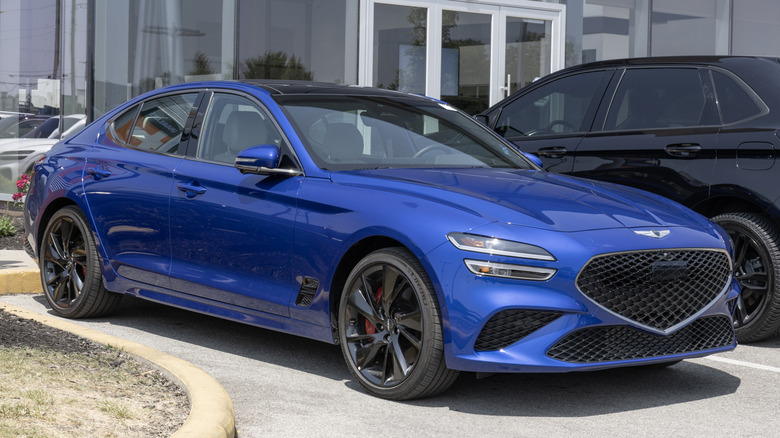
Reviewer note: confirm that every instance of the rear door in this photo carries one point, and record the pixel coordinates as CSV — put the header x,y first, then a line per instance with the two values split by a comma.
x,y
551,119
659,133
127,184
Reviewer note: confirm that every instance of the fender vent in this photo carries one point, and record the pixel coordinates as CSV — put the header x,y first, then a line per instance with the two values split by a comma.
x,y
306,294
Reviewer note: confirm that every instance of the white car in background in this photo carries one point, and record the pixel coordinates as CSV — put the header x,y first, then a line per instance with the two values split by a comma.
x,y
17,155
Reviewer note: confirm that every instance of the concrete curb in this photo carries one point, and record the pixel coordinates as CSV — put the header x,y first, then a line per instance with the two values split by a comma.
x,y
20,281
211,408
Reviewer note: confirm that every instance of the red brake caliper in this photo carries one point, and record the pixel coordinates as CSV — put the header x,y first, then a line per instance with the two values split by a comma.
x,y
370,329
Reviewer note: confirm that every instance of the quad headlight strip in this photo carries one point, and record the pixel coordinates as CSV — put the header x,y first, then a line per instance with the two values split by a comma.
x,y
508,248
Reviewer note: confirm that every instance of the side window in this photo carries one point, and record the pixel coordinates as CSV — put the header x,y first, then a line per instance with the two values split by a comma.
x,y
733,100
555,108
234,123
122,125
658,98
159,124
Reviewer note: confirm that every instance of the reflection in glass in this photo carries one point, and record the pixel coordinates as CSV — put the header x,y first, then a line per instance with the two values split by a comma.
x,y
756,28
465,60
614,29
299,40
399,48
674,22
30,74
141,45
528,51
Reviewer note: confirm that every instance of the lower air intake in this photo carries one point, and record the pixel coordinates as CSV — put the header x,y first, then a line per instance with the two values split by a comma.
x,y
509,326
615,343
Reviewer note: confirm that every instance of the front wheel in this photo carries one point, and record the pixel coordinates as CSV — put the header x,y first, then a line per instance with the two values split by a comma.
x,y
390,328
70,268
756,266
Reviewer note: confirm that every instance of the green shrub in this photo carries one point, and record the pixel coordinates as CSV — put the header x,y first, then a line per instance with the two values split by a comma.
x,y
7,227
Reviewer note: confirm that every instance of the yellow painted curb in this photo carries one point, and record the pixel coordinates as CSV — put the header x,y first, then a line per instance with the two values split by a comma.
x,y
211,408
20,281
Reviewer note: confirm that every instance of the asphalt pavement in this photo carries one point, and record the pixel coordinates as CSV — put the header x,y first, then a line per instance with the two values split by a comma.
x,y
283,385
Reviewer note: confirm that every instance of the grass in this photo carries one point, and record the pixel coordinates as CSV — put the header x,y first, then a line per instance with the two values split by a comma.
x,y
50,394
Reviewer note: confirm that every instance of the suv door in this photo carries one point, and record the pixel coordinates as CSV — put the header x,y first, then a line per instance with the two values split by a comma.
x,y
659,133
551,119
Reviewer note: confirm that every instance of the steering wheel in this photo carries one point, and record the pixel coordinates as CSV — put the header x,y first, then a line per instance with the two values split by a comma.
x,y
431,147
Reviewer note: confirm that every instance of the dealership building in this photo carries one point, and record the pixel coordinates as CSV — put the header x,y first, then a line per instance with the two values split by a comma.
x,y
87,56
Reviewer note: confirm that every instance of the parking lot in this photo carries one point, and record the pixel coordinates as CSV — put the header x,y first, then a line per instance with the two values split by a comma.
x,y
283,385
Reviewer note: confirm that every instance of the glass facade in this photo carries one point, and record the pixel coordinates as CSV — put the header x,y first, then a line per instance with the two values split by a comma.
x,y
77,59
609,29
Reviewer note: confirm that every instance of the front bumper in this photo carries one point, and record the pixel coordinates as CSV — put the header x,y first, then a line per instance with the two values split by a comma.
x,y
503,325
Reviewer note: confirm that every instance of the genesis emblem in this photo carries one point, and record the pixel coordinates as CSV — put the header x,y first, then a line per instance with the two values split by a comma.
x,y
654,233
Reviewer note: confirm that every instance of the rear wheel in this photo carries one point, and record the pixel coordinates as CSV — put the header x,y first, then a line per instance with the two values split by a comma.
x,y
756,265
70,268
390,328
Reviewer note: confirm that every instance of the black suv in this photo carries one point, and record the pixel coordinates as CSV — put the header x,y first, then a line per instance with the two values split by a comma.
x,y
702,131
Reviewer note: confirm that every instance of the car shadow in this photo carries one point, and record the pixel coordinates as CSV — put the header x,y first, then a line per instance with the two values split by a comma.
x,y
577,394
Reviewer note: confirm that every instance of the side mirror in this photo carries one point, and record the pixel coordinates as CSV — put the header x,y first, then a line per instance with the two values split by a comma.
x,y
262,160
481,118
534,159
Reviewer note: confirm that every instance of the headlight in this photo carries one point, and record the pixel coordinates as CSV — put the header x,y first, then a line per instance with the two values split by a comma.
x,y
504,270
493,246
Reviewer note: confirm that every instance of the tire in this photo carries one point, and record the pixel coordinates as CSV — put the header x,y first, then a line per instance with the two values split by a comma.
x,y
393,343
756,267
70,268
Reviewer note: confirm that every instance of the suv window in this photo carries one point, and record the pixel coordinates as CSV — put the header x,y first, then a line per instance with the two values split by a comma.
x,y
734,102
159,124
555,108
658,98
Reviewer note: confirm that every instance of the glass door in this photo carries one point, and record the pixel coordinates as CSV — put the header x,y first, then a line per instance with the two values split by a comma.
x,y
468,54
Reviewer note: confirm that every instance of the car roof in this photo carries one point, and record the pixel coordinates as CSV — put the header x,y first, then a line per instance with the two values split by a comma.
x,y
283,87
671,60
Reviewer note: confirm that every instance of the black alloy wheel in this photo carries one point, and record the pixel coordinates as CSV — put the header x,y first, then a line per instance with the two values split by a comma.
x,y
756,266
390,328
70,268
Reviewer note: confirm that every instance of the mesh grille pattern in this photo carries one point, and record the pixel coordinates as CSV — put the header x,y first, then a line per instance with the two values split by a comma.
x,y
655,288
509,326
613,343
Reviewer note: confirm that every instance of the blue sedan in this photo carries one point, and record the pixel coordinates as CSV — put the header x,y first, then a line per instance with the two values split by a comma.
x,y
392,225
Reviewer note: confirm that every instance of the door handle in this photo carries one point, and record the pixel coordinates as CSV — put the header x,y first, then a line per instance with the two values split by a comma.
x,y
98,172
683,150
552,152
192,189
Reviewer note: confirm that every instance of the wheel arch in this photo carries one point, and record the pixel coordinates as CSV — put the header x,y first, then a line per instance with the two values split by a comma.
x,y
353,255
53,207
744,203
357,252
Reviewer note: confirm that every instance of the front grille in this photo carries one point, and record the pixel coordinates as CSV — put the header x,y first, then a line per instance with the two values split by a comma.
x,y
509,326
659,288
614,343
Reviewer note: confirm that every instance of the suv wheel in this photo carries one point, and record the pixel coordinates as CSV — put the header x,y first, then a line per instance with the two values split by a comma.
x,y
756,265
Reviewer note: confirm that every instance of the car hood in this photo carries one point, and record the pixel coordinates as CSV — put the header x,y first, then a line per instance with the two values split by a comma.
x,y
532,198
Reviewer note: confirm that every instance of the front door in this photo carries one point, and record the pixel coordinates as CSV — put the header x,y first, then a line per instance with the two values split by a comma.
x,y
231,234
469,55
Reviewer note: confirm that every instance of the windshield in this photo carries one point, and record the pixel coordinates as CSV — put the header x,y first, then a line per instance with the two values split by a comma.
x,y
367,132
